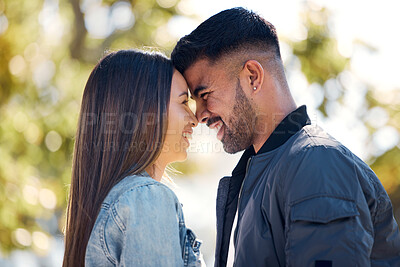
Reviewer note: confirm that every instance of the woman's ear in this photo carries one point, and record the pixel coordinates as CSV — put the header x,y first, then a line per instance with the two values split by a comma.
x,y
252,75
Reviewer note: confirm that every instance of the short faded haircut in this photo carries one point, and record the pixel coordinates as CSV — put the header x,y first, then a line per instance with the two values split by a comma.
x,y
229,31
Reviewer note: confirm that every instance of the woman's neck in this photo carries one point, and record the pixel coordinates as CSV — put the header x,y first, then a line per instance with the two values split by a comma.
x,y
156,171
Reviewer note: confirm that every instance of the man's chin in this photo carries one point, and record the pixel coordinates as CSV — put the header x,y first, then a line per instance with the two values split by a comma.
x,y
231,147
232,151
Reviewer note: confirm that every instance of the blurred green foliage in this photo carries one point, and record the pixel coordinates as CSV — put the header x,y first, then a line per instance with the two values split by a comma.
x,y
47,50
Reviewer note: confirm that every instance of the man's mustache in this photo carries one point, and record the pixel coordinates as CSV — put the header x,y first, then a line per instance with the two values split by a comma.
x,y
213,120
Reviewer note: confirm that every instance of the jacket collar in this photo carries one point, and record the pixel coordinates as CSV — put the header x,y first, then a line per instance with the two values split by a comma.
x,y
290,125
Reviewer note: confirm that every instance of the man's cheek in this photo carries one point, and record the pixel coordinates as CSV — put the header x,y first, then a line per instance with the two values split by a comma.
x,y
211,106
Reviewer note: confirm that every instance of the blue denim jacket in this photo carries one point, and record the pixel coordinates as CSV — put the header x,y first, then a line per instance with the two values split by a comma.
x,y
141,224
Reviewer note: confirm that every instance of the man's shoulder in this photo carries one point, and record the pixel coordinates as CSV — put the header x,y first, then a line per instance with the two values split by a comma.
x,y
317,164
313,136
312,145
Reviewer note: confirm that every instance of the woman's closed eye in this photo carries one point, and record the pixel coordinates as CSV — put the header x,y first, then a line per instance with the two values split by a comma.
x,y
185,102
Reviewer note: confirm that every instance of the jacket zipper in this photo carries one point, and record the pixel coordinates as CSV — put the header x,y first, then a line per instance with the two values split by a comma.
x,y
240,192
241,187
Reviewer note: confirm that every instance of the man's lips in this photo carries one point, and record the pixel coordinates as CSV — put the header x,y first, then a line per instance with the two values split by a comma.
x,y
213,120
216,125
221,131
220,127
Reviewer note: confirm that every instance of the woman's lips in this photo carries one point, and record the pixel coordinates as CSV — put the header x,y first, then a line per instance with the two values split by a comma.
x,y
187,136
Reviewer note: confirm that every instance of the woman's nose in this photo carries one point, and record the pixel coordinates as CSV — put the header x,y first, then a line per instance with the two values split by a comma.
x,y
193,120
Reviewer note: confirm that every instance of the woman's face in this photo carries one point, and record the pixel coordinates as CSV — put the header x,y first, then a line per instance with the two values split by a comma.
x,y
180,121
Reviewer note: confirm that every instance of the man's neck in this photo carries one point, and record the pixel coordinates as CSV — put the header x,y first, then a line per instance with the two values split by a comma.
x,y
267,125
288,126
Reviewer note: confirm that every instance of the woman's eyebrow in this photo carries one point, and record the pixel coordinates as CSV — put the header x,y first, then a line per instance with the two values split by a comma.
x,y
183,93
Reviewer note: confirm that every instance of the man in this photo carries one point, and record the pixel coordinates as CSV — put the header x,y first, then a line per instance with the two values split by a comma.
x,y
301,198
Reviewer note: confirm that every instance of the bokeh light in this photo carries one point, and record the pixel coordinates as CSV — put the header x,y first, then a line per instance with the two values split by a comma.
x,y
43,73
31,194
97,22
20,121
33,133
3,24
17,65
41,241
23,237
47,198
167,3
53,141
385,139
121,16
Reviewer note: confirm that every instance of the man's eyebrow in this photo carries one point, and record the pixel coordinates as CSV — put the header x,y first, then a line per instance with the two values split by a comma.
x,y
198,89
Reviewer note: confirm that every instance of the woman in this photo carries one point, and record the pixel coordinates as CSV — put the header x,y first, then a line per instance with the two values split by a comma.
x,y
134,120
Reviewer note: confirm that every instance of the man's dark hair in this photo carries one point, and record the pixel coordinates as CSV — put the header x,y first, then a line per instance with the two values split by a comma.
x,y
223,33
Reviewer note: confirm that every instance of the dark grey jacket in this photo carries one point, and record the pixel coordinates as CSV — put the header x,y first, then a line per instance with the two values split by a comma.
x,y
309,202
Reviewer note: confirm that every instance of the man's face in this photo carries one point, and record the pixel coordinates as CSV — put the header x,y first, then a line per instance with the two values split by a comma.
x,y
221,104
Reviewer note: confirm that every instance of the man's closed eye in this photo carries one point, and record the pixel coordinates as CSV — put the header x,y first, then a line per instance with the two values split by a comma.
x,y
204,95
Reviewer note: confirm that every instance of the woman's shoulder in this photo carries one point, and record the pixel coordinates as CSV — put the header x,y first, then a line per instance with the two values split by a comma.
x,y
136,189
135,208
136,199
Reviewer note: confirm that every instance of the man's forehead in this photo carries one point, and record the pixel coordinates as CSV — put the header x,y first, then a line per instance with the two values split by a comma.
x,y
200,73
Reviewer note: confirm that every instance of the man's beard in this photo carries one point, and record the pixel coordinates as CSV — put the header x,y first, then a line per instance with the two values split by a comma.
x,y
240,133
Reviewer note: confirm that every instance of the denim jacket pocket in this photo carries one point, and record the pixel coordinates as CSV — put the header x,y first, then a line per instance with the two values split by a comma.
x,y
192,256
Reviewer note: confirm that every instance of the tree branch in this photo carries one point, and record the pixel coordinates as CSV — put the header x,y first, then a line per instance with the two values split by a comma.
x,y
76,46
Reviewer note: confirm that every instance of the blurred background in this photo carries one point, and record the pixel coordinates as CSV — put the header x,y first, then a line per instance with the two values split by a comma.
x,y
342,61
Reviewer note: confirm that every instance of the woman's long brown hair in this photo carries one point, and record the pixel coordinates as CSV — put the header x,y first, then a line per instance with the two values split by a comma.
x,y
121,130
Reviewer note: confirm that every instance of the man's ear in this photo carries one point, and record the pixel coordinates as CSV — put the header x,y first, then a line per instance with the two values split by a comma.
x,y
252,75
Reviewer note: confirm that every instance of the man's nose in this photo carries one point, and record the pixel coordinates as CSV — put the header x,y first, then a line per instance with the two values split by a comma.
x,y
202,114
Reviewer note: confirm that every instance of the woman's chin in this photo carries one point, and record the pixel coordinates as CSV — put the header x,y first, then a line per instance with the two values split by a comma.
x,y
182,156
